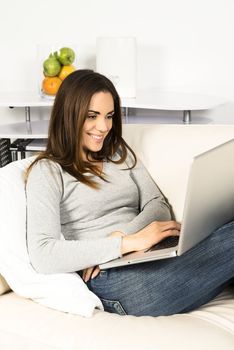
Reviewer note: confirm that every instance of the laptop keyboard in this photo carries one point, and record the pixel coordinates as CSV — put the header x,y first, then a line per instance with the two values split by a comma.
x,y
168,242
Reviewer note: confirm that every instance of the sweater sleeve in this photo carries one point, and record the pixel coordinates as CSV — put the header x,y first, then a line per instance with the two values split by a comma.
x,y
49,252
152,204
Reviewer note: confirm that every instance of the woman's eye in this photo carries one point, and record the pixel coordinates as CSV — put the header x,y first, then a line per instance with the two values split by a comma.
x,y
93,116
110,116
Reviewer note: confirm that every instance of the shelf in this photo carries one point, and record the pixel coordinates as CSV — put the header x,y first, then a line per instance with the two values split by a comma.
x,y
36,130
23,99
153,99
36,145
171,100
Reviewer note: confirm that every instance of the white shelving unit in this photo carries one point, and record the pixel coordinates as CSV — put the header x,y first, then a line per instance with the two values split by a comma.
x,y
153,99
173,101
37,131
30,129
25,100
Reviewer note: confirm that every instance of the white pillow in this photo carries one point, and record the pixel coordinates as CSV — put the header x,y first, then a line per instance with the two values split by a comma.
x,y
66,291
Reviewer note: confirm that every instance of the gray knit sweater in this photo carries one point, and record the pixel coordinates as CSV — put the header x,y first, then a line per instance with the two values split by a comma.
x,y
68,223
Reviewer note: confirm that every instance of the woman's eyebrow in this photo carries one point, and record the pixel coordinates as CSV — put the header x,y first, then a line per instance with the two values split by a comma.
x,y
96,112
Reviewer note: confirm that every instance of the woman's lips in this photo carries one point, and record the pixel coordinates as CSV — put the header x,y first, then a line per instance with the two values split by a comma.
x,y
97,137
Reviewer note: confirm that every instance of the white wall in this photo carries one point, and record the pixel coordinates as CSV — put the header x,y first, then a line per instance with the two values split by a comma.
x,y
183,45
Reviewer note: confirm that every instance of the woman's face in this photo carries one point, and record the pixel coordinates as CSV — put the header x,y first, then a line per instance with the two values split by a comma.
x,y
98,123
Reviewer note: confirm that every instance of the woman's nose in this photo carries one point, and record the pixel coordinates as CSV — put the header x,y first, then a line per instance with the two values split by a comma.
x,y
102,124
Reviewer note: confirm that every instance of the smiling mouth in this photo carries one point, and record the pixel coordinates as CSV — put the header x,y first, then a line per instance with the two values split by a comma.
x,y
97,137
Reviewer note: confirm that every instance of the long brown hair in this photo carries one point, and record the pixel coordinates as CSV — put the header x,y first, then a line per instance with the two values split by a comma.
x,y
68,115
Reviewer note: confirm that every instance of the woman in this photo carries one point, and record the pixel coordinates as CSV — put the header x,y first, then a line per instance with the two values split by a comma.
x,y
89,188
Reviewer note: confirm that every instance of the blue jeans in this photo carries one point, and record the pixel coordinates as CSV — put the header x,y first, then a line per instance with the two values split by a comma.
x,y
170,286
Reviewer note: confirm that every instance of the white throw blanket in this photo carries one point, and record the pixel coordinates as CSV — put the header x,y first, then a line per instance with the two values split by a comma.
x,y
64,291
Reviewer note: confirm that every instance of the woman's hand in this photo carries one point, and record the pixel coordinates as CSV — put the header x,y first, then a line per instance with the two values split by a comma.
x,y
90,272
143,239
149,236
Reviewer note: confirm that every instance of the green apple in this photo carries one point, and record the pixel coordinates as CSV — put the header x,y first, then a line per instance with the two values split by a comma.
x,y
51,66
66,56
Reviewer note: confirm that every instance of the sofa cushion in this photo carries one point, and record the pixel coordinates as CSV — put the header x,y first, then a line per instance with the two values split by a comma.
x,y
4,287
27,325
65,292
166,150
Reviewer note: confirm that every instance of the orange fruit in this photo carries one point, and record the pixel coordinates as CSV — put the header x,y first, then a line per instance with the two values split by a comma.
x,y
50,85
65,71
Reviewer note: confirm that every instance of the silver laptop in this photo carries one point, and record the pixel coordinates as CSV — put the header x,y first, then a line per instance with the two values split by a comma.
x,y
209,204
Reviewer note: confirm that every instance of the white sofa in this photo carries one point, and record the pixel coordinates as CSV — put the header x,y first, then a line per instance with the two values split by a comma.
x,y
167,151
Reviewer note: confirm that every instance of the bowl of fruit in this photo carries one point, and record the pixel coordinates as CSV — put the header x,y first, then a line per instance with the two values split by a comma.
x,y
55,64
